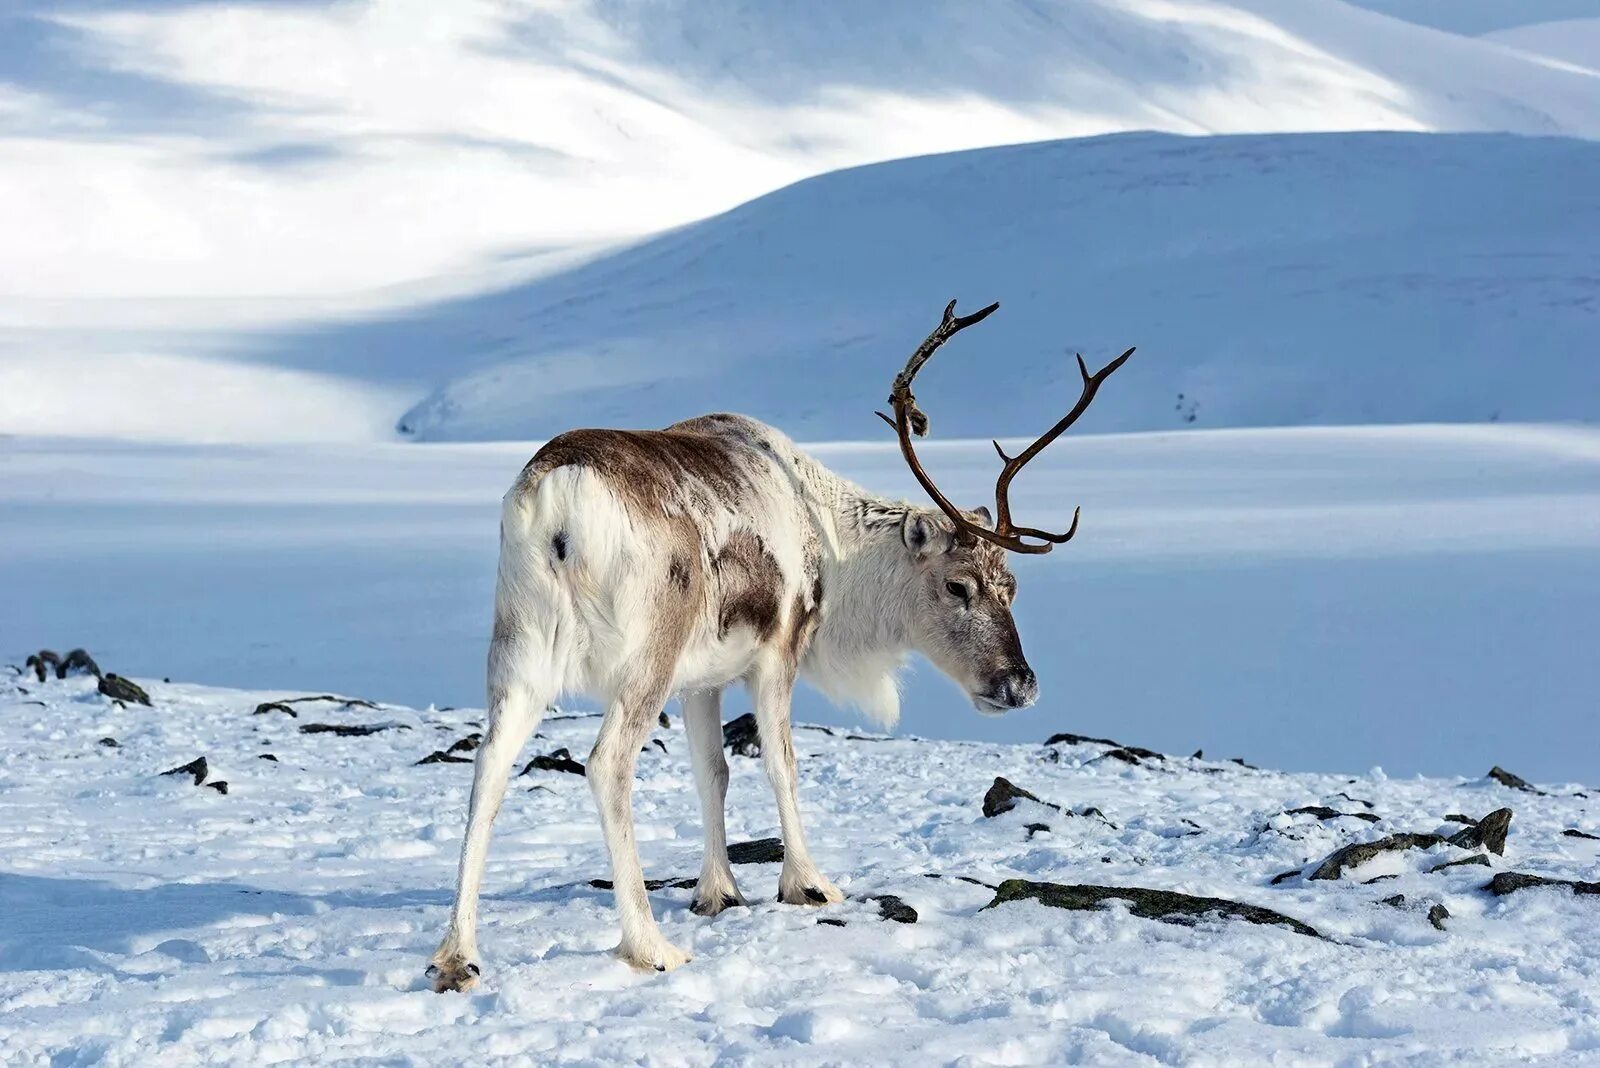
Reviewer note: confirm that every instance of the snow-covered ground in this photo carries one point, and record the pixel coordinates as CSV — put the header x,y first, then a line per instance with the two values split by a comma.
x,y
1421,598
146,919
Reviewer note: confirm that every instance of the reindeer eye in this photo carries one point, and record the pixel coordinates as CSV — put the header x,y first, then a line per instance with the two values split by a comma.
x,y
959,589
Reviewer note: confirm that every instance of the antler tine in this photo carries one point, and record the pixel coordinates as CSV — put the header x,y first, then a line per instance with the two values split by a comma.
x,y
909,419
1002,486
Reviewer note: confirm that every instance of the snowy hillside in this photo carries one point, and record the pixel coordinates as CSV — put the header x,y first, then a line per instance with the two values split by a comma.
x,y
150,918
1424,598
195,175
1344,278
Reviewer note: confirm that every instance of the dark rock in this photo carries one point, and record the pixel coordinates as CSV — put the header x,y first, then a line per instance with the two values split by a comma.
x,y
1035,828
1080,739
1283,876
196,767
1354,855
350,730
1489,832
760,851
1396,901
959,878
1437,914
1476,858
439,756
1511,881
1164,905
78,660
1323,812
831,921
891,907
649,884
1516,782
220,786
658,743
274,706
663,721
1199,754
1456,817
1354,800
1378,879
1580,834
111,743
742,736
1127,756
1003,796
560,760
120,689
43,662
465,745
1240,761
267,756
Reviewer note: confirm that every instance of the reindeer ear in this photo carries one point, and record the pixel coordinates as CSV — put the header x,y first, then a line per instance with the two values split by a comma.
x,y
923,535
982,512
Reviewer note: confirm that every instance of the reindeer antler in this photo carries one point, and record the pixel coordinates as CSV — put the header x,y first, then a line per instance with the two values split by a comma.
x,y
909,419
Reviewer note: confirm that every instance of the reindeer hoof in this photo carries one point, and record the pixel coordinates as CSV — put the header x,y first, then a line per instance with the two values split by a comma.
x,y
453,974
810,892
660,956
710,906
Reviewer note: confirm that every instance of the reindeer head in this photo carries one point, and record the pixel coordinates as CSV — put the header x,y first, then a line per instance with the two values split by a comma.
x,y
962,602
961,612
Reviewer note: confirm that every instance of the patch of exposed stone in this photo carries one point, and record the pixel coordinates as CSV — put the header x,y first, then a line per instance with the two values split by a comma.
x,y
649,884
760,851
1508,882
351,730
560,760
1489,832
197,769
741,736
1574,833
1165,905
1323,812
1359,853
892,908
125,690
1479,859
1515,782
282,705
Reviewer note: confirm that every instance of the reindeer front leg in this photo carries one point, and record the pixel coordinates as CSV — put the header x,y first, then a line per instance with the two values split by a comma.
x,y
800,883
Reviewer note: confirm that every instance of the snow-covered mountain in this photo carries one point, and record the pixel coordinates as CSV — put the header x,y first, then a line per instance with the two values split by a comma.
x,y
191,175
1277,279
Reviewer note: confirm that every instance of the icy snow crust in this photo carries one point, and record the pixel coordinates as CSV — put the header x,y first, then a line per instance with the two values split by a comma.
x,y
148,918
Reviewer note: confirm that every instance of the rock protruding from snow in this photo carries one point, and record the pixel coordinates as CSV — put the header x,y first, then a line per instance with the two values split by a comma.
x,y
1489,832
1516,782
1352,856
120,689
559,760
196,767
1508,882
1003,796
742,736
760,851
1167,906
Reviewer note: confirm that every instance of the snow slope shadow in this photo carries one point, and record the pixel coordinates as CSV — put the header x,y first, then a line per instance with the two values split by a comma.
x,y
1267,280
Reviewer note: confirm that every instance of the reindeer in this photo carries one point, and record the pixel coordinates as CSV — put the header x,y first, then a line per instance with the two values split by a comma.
x,y
635,565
